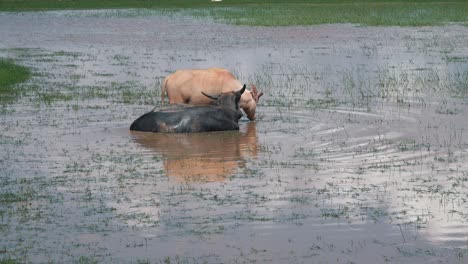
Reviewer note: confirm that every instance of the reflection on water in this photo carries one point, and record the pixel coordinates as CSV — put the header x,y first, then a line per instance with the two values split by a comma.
x,y
202,157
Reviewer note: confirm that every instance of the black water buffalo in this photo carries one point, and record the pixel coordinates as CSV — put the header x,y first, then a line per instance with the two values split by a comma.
x,y
222,114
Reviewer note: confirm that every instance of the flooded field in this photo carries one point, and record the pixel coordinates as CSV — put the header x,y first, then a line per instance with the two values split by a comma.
x,y
359,153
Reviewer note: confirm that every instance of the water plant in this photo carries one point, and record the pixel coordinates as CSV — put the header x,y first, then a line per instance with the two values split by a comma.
x,y
10,75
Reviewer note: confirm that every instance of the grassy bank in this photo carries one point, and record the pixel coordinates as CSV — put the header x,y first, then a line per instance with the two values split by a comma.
x,y
11,74
277,13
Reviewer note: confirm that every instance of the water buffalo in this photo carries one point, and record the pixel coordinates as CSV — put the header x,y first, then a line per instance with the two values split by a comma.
x,y
185,86
222,114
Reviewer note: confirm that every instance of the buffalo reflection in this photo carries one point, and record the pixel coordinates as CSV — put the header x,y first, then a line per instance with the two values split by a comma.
x,y
202,157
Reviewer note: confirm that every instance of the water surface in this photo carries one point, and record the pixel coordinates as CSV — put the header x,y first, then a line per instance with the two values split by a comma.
x,y
358,154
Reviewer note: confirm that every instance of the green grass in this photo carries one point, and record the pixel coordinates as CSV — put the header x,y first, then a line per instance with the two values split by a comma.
x,y
280,13
8,260
10,75
367,13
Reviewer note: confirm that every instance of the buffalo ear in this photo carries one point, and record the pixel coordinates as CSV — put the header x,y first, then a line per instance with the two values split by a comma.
x,y
254,88
259,95
210,96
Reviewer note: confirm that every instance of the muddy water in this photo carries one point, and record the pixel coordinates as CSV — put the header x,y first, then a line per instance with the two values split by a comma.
x,y
359,153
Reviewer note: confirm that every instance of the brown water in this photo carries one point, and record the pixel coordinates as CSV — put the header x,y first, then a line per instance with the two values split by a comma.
x,y
359,153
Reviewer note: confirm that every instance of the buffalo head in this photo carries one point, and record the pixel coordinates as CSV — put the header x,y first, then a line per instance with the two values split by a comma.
x,y
249,102
229,100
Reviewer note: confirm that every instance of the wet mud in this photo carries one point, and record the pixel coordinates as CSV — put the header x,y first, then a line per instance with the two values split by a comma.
x,y
358,153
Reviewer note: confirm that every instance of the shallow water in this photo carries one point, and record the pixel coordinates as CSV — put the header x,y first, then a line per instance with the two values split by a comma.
x,y
202,157
358,154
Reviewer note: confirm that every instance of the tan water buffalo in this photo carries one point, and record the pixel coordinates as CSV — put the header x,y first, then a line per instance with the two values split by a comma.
x,y
185,86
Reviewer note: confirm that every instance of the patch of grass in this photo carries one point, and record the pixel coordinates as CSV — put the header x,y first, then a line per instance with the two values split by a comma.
x,y
8,260
49,98
281,13
131,92
341,212
86,260
67,53
12,198
375,13
10,75
456,59
458,83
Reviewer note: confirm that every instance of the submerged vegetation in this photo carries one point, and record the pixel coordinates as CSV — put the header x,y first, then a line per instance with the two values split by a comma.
x,y
280,13
10,75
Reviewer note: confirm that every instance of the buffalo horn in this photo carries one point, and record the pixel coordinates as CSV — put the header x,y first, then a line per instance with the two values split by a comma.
x,y
241,91
211,96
